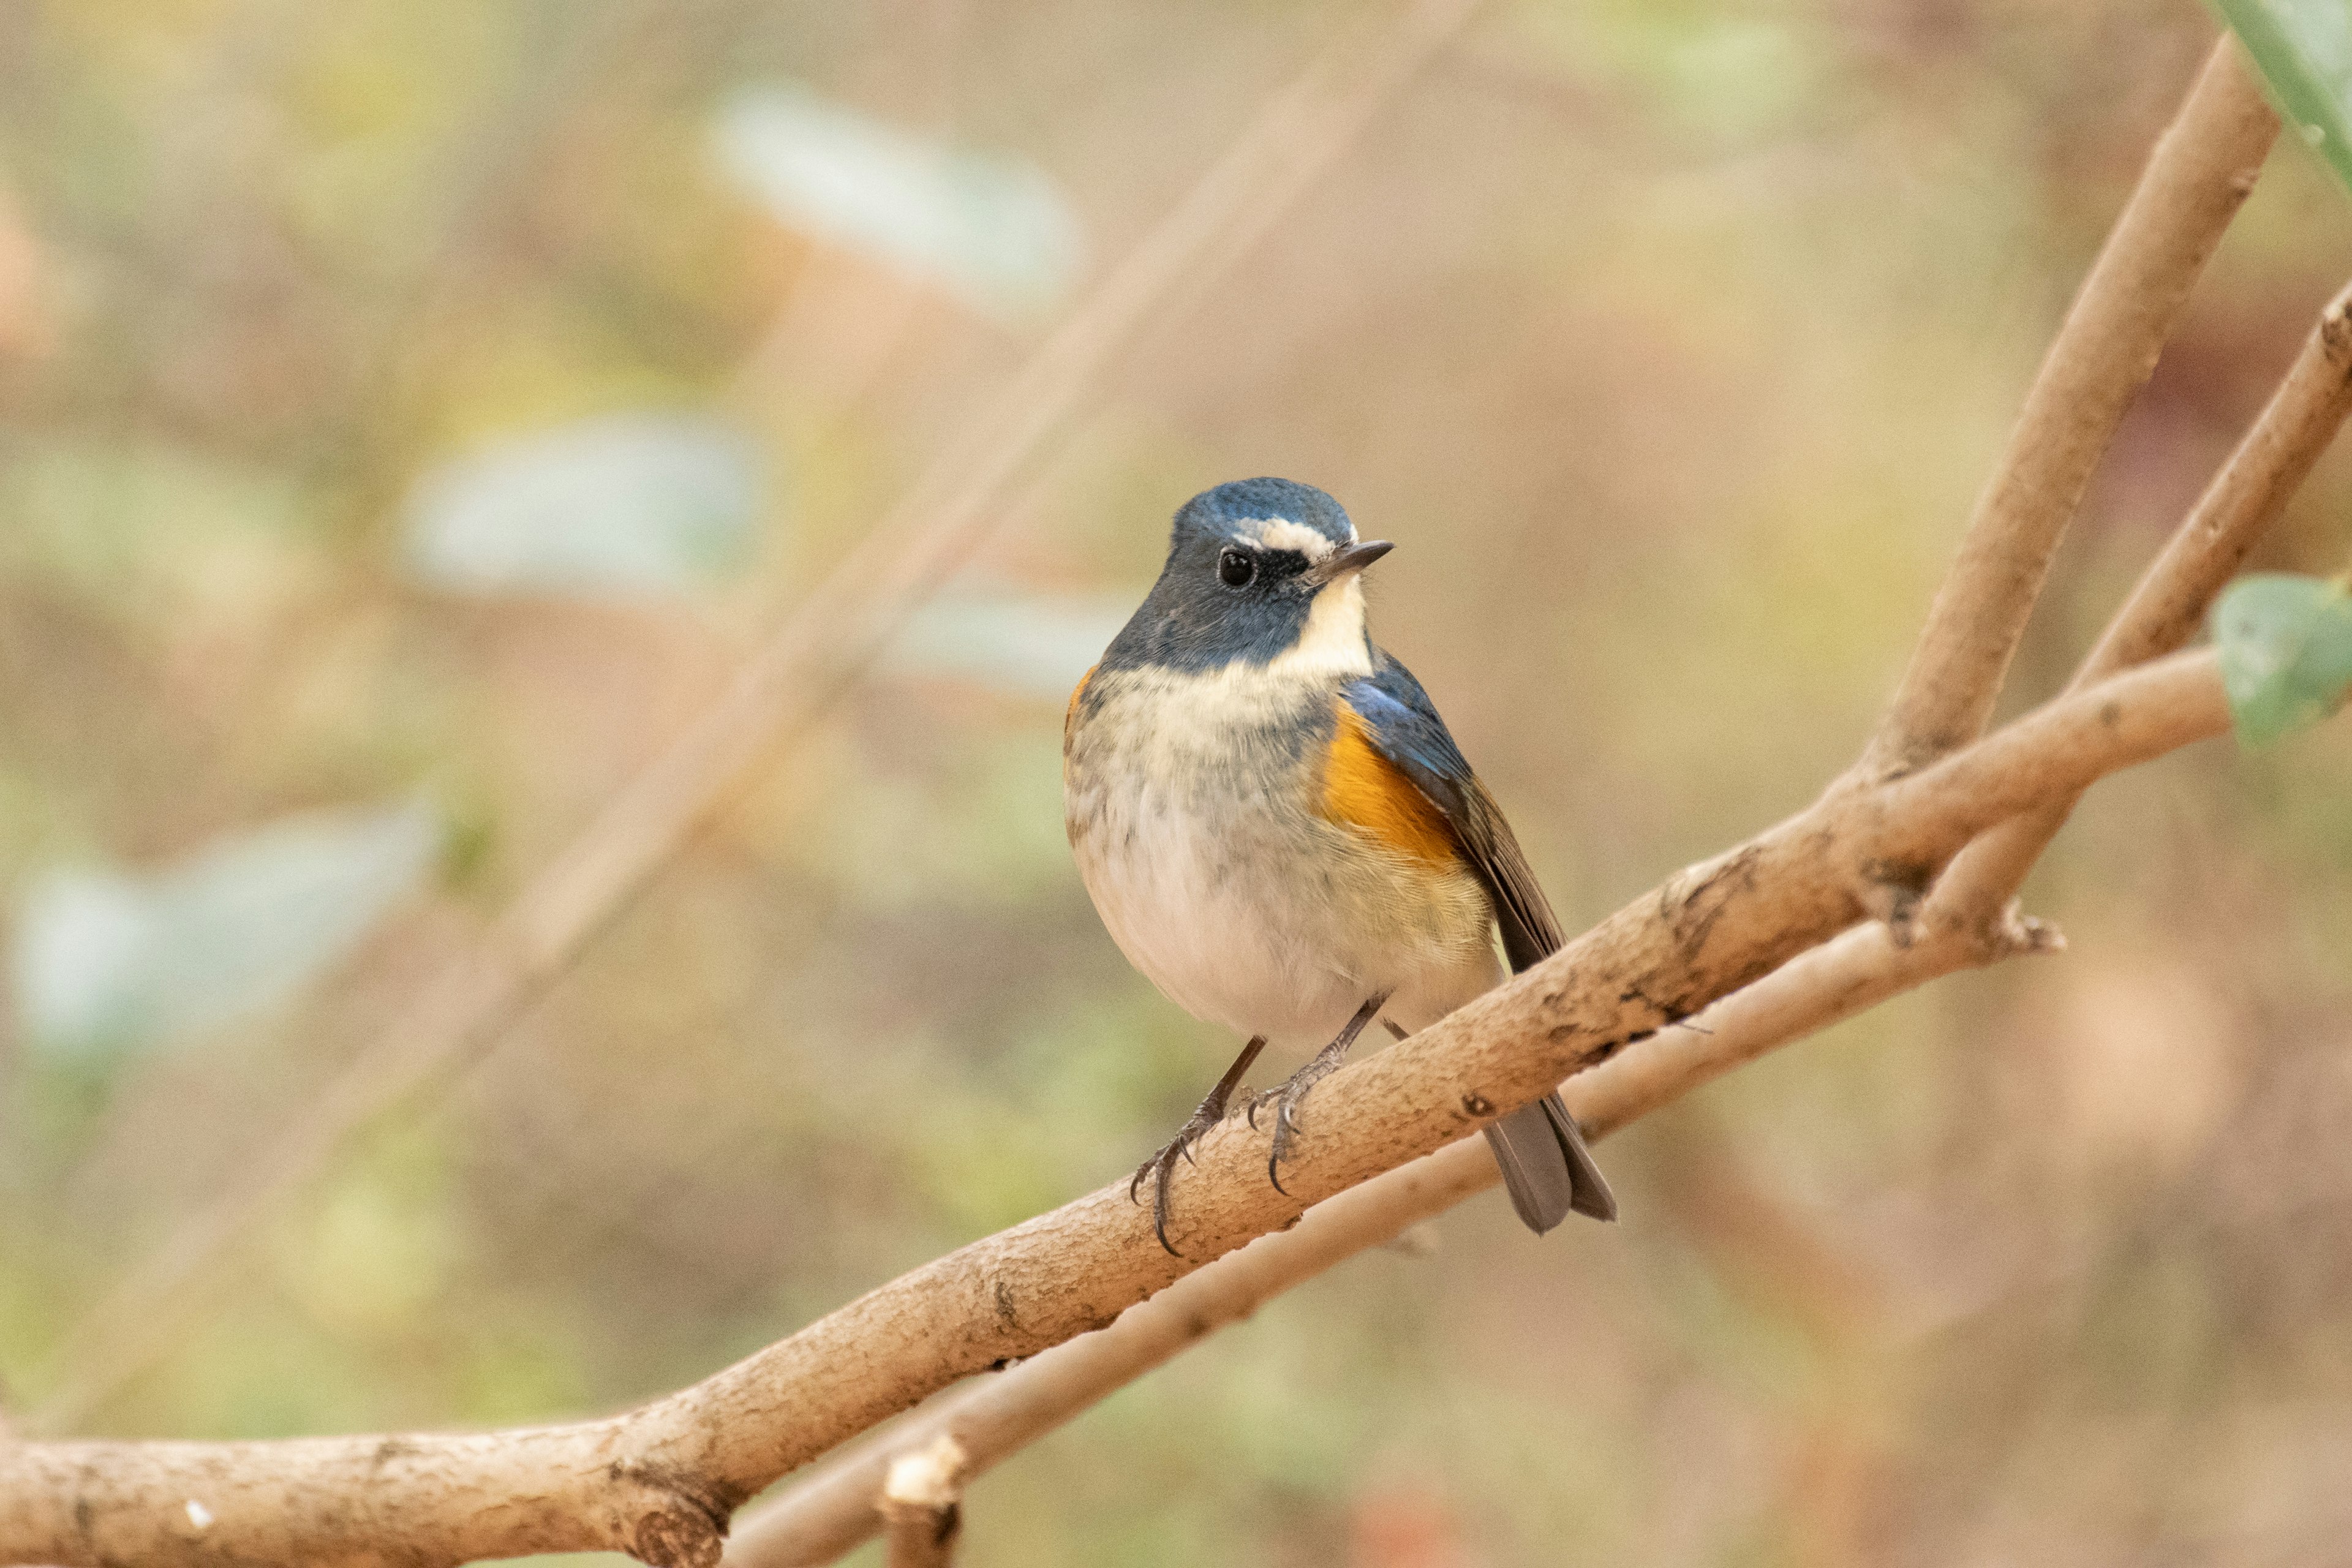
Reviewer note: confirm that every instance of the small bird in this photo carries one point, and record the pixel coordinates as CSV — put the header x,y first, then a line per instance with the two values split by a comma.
x,y
1279,832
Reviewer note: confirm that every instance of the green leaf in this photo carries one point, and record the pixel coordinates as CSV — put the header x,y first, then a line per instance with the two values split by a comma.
x,y
2286,644
2304,50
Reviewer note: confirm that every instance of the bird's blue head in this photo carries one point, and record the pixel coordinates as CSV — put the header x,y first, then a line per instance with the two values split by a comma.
x,y
1257,569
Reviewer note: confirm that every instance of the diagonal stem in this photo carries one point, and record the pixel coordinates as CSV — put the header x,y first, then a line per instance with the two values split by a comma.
x,y
2200,173
2165,610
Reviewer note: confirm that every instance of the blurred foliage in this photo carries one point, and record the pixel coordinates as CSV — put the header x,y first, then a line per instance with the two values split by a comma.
x,y
410,414
619,505
2286,652
108,962
992,229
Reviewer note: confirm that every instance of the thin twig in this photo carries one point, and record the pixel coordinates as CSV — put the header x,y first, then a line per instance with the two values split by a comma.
x,y
921,1504
661,1482
793,676
23,331
2200,172
2170,603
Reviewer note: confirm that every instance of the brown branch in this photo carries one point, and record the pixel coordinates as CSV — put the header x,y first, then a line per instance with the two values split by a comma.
x,y
660,1481
2168,608
828,1511
800,669
826,1514
921,1505
2170,603
2200,173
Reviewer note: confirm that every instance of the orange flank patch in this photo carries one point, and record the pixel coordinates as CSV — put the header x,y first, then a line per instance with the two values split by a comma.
x,y
1365,790
1070,714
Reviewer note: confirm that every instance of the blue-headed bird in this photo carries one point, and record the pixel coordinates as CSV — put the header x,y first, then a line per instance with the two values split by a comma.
x,y
1280,833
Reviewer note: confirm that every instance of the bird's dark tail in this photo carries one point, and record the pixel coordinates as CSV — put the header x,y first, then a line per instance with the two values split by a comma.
x,y
1547,1169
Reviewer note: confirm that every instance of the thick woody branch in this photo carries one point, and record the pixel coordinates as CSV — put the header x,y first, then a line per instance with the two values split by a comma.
x,y
826,1514
659,1481
2200,172
829,1510
441,1499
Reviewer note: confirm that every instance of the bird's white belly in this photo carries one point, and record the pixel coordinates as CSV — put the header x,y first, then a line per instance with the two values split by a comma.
x,y
1217,929
1252,913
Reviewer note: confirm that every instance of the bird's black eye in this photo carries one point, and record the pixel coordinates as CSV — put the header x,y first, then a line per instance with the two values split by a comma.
x,y
1234,569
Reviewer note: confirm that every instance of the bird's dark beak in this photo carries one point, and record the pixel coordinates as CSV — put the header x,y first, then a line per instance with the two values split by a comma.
x,y
1344,563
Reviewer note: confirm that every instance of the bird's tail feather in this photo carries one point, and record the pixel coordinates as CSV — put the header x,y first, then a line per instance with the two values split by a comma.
x,y
1546,1167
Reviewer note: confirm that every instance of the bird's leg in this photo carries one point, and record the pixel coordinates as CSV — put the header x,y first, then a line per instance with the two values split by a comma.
x,y
1286,1098
1161,1167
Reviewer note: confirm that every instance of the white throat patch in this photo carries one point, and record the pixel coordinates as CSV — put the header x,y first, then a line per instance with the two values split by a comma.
x,y
1332,642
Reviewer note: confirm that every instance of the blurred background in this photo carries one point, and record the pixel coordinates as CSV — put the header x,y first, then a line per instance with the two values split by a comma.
x,y
414,412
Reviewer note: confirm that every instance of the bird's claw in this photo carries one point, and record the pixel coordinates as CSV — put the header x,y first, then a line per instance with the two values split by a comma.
x,y
1285,1101
1162,1166
1161,1169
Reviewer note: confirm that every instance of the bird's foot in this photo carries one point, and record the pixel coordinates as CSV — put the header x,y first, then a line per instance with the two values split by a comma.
x,y
1284,1104
1285,1100
1162,1166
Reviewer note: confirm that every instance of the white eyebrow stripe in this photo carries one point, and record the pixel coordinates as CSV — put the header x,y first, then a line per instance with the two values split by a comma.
x,y
1282,533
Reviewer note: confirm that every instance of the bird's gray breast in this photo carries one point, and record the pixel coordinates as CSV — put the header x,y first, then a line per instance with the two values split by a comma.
x,y
1192,804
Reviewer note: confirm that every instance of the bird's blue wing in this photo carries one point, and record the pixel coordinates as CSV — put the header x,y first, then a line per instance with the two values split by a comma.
x,y
1405,728
1545,1163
